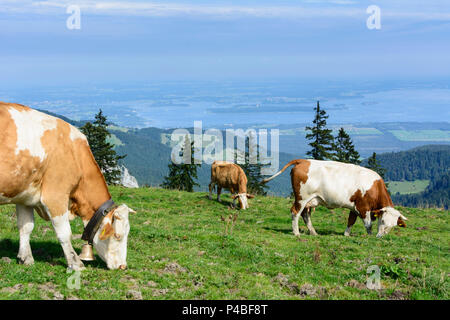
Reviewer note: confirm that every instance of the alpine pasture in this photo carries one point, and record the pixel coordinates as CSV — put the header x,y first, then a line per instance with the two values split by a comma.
x,y
184,246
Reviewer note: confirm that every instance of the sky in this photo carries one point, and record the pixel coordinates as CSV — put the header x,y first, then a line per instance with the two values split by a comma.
x,y
134,40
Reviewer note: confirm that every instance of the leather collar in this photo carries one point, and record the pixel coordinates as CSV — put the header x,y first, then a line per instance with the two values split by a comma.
x,y
94,224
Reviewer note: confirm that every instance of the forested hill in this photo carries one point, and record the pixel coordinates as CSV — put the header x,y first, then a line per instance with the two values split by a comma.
x,y
426,162
431,162
148,155
437,194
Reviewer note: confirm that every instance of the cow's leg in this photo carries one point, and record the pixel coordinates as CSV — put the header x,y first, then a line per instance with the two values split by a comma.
x,y
211,187
306,215
63,233
368,223
219,190
25,223
351,221
296,209
58,212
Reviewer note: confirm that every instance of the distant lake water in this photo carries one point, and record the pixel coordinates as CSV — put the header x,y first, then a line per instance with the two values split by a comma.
x,y
228,103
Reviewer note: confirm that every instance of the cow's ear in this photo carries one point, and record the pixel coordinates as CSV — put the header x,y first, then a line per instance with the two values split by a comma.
x,y
106,232
378,213
234,197
250,196
401,223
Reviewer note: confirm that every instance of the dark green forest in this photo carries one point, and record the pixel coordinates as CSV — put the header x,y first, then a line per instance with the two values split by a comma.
x,y
437,194
431,162
426,162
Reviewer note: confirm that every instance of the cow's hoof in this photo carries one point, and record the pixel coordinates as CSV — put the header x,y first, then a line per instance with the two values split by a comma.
x,y
313,233
346,234
297,234
28,261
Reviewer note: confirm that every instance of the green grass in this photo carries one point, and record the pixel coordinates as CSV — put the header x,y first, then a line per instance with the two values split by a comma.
x,y
407,187
114,140
178,249
422,135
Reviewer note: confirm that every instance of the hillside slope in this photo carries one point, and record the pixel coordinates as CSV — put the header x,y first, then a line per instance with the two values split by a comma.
x,y
430,162
178,249
147,159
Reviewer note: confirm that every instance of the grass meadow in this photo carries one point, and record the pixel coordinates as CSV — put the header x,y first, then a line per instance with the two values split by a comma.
x,y
185,246
408,187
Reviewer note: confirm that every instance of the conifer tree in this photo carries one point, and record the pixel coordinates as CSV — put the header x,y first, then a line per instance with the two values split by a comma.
x,y
373,164
182,176
253,172
322,139
344,149
97,135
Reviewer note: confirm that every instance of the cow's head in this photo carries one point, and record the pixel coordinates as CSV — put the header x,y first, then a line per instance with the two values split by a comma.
x,y
110,241
389,218
242,197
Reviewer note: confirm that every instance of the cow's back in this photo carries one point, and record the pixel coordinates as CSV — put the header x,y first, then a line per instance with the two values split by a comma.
x,y
32,144
227,174
335,183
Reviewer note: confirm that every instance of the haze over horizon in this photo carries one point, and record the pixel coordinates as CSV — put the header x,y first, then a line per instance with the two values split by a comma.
x,y
167,63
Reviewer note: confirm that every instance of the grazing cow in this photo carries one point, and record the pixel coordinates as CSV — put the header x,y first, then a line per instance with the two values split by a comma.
x,y
231,176
46,165
341,185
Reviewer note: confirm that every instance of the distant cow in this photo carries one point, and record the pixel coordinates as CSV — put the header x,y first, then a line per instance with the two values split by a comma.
x,y
46,165
230,176
341,185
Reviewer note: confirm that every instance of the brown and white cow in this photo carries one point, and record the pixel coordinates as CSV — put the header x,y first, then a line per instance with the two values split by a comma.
x,y
341,185
228,175
46,165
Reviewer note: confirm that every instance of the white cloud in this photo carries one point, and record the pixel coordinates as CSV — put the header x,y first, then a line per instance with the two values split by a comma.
x,y
309,8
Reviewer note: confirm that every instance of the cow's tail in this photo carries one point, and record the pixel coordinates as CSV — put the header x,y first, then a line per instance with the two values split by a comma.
x,y
293,162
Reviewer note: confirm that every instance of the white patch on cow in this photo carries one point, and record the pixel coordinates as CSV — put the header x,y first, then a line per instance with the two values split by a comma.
x,y
114,249
31,126
295,229
243,200
348,231
368,223
76,134
63,232
333,183
388,220
62,227
29,197
25,223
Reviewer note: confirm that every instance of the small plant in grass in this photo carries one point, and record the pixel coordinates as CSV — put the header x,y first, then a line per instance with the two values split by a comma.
x,y
393,271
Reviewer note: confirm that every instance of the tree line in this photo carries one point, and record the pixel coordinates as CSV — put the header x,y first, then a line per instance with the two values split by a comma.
x,y
429,162
324,146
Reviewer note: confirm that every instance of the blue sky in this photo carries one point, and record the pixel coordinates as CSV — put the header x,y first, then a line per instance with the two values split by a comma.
x,y
174,40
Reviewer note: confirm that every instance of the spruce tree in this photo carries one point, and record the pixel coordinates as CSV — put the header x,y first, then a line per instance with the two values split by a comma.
x,y
182,176
322,139
373,164
253,173
344,149
97,135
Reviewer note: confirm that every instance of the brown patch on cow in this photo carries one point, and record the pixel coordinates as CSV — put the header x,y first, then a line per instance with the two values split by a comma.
x,y
16,171
69,173
107,230
401,223
376,198
299,175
